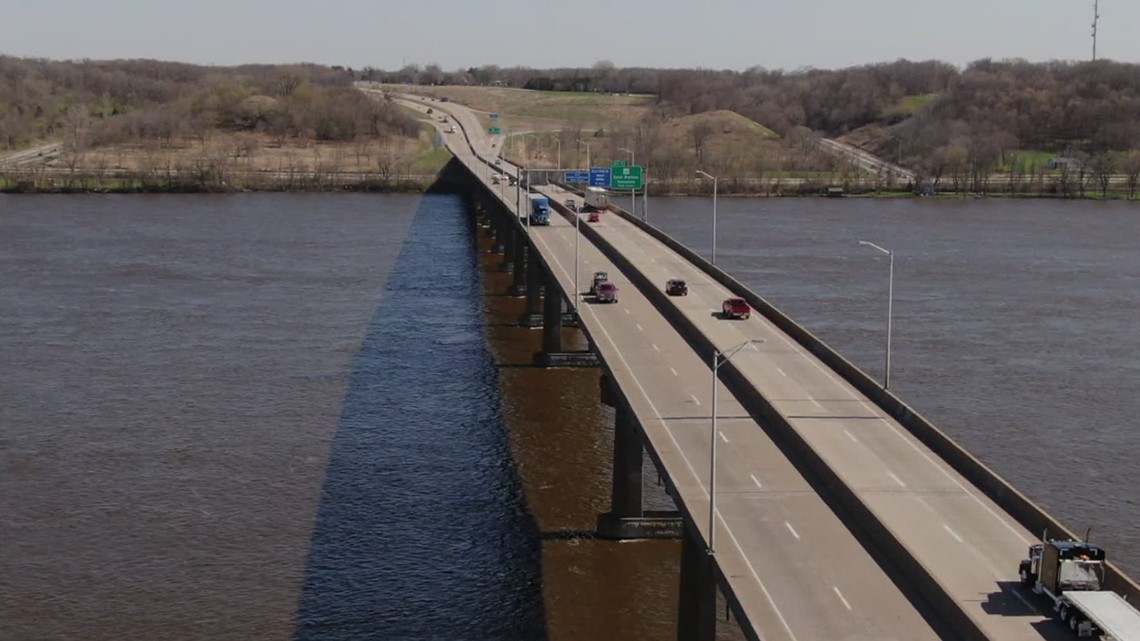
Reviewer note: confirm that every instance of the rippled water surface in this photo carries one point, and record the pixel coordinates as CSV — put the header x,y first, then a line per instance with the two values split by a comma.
x,y
252,417
1015,325
278,416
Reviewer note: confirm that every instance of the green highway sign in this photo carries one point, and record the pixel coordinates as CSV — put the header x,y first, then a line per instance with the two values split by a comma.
x,y
626,178
494,130
619,163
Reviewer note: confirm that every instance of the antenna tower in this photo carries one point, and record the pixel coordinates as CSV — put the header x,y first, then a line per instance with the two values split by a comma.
x,y
1096,19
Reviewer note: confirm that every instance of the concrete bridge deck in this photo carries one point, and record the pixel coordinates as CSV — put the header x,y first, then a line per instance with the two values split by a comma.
x,y
917,551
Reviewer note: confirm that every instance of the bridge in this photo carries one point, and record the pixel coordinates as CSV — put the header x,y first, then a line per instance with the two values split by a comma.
x,y
821,506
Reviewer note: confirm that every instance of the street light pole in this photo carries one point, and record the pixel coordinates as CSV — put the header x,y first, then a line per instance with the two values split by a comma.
x,y
890,310
577,241
583,142
713,178
632,192
718,359
558,141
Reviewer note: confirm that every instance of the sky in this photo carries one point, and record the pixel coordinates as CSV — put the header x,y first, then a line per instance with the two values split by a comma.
x,y
711,34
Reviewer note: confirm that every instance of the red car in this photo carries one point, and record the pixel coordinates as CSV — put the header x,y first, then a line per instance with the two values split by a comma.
x,y
735,308
606,292
594,217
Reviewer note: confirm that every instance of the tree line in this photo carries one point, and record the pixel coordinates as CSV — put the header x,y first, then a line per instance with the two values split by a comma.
x,y
93,103
950,125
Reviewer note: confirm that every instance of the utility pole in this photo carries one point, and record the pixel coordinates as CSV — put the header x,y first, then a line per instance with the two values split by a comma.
x,y
1096,19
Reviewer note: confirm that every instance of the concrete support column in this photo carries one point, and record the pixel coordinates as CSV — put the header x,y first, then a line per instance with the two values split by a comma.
x,y
552,318
518,285
625,497
509,249
532,317
696,614
501,230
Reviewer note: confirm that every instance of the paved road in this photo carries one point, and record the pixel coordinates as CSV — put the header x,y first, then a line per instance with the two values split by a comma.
x,y
866,160
797,569
28,156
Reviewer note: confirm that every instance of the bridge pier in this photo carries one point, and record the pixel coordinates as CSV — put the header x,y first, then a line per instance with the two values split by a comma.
x,y
696,612
552,317
500,226
518,285
532,317
553,313
512,239
627,518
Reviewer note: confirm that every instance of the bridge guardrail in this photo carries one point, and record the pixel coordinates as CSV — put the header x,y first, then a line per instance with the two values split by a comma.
x,y
1030,515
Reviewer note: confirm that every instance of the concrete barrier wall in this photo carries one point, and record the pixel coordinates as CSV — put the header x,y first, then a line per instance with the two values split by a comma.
x,y
1026,512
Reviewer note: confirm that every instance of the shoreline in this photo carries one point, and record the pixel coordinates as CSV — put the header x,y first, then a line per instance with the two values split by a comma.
x,y
38,181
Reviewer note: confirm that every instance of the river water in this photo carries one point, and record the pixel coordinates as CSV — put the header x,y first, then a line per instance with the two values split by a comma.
x,y
311,417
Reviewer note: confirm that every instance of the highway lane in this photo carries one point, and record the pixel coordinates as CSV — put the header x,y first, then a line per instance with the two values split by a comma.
x,y
968,543
798,572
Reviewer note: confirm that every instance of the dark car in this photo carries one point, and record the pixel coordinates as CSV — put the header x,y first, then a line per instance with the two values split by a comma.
x,y
735,308
676,287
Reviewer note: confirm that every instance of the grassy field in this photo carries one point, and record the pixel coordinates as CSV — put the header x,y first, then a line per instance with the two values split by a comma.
x,y
909,105
543,110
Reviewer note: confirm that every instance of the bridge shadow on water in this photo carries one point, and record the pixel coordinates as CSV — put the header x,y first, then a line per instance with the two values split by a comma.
x,y
422,530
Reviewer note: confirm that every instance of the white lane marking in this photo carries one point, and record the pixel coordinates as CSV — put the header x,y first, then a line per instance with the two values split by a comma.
x,y
782,372
815,402
695,399
952,533
674,371
896,479
792,530
850,436
756,481
654,345
626,311
639,328
722,436
756,576
840,595
754,348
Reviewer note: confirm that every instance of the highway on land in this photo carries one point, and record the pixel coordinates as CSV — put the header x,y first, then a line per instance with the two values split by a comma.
x,y
808,577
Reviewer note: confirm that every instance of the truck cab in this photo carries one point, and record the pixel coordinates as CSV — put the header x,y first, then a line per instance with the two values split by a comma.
x,y
539,210
1071,574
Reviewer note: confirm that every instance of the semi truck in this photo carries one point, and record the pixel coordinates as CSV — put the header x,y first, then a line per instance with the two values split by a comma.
x,y
594,199
539,210
1071,575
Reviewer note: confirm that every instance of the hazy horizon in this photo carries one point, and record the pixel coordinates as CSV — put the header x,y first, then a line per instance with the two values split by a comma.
x,y
717,34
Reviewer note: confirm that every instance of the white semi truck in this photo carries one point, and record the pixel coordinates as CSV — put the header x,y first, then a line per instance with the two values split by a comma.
x,y
1071,575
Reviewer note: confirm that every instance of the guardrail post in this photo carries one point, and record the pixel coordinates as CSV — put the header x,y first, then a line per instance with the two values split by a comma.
x,y
696,613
